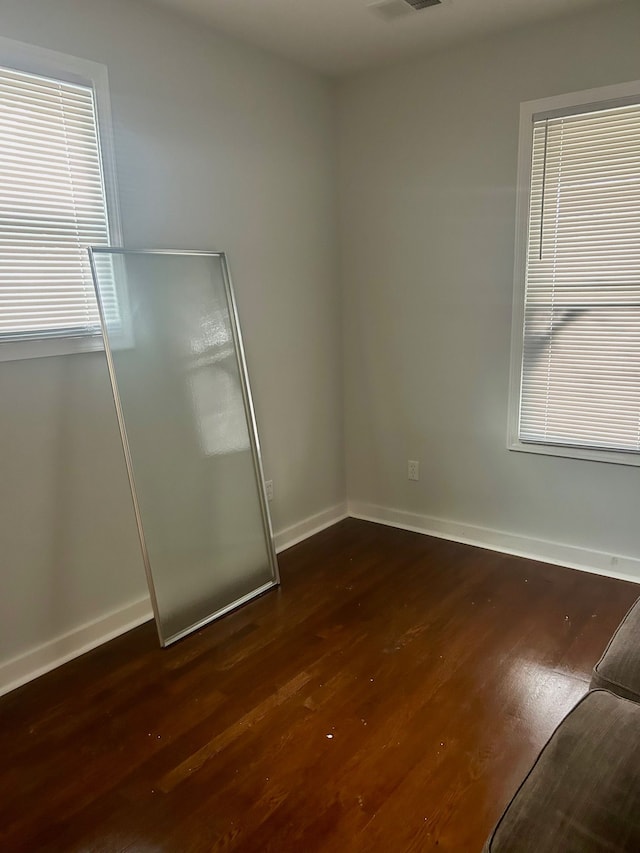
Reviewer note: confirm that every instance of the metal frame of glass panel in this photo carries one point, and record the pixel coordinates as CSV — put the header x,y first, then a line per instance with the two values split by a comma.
x,y
251,427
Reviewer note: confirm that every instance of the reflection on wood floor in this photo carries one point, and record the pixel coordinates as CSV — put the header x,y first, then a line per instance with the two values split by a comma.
x,y
389,697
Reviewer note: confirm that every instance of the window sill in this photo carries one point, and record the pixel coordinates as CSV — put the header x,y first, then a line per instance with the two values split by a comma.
x,y
617,457
46,347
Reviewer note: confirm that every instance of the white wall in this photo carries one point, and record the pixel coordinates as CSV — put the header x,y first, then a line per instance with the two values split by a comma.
x,y
427,175
218,146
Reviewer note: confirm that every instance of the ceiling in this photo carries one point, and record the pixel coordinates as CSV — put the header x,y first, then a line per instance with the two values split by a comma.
x,y
340,36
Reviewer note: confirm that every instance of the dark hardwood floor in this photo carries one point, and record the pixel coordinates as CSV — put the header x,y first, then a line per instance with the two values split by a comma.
x,y
389,697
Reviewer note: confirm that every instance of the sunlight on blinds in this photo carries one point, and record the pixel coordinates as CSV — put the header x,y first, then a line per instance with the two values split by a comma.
x,y
581,360
52,206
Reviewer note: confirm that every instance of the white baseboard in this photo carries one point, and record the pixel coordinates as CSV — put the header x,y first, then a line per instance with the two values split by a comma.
x,y
617,566
19,670
290,536
53,653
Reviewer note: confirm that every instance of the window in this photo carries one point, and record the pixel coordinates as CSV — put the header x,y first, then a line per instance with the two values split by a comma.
x,y
575,387
56,199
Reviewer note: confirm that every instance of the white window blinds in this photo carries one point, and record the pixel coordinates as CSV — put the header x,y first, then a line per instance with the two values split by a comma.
x,y
52,206
580,382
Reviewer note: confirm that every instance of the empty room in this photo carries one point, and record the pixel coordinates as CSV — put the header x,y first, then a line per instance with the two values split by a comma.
x,y
320,427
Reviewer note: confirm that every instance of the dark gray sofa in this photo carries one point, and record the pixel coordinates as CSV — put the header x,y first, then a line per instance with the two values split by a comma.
x,y
618,670
582,795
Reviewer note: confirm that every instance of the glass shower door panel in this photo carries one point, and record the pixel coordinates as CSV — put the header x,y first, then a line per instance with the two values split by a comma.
x,y
185,413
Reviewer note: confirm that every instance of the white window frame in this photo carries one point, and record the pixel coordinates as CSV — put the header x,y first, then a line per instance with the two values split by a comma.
x,y
49,63
589,98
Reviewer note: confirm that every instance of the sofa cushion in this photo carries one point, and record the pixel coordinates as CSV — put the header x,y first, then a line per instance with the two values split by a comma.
x,y
582,795
618,670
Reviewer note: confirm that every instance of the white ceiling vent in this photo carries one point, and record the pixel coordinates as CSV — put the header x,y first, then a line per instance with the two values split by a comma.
x,y
389,10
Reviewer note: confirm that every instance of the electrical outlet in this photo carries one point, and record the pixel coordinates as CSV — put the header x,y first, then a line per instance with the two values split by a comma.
x,y
268,487
413,469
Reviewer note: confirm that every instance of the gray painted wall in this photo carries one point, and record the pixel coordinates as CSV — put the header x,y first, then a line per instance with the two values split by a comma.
x,y
222,146
427,176
218,146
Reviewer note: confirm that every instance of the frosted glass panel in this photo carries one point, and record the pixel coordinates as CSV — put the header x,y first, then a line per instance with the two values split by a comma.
x,y
184,407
